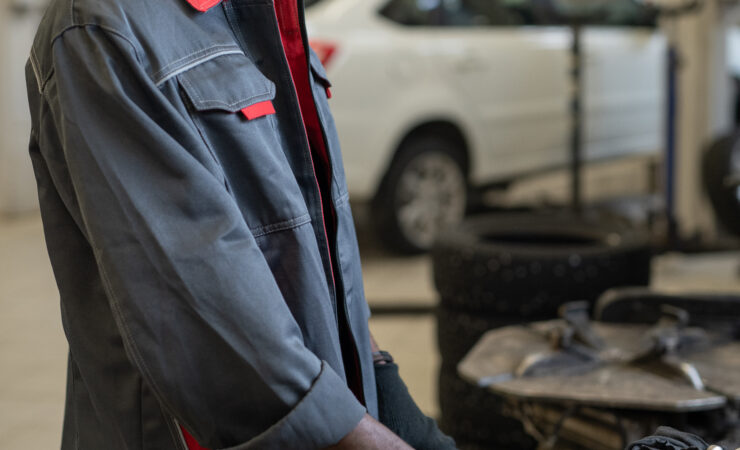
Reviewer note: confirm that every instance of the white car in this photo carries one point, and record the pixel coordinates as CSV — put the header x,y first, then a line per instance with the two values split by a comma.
x,y
434,97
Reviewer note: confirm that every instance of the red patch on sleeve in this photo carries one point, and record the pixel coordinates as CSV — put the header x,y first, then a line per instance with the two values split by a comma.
x,y
258,110
328,92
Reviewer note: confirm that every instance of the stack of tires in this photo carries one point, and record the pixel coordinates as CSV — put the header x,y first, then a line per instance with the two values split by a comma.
x,y
507,269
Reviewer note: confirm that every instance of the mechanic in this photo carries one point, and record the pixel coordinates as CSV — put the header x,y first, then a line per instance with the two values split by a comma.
x,y
198,224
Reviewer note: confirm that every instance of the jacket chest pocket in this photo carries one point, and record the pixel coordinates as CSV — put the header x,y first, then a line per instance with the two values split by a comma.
x,y
230,83
231,104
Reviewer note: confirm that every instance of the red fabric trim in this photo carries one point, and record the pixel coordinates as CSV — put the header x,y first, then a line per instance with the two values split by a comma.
x,y
190,440
258,110
328,92
203,5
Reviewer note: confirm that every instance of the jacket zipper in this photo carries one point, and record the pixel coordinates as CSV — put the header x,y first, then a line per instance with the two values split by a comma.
x,y
340,301
353,343
311,159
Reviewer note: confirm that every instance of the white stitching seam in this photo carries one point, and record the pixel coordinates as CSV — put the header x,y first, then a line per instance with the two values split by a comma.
x,y
281,226
126,334
193,92
36,71
195,55
165,72
195,63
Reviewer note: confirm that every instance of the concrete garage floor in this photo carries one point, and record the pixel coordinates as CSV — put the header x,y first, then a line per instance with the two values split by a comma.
x,y
33,349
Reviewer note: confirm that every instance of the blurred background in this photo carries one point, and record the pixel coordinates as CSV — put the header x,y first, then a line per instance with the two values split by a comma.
x,y
503,157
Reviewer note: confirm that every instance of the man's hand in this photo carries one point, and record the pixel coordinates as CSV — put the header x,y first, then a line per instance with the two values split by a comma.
x,y
370,434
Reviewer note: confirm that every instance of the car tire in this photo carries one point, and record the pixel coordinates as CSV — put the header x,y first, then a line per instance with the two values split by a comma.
x,y
424,190
459,331
472,415
475,415
527,265
722,161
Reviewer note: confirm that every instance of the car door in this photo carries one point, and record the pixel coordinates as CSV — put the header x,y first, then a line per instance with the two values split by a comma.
x,y
513,72
624,82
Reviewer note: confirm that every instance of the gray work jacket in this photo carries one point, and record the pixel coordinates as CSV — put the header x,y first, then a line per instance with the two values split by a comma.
x,y
187,240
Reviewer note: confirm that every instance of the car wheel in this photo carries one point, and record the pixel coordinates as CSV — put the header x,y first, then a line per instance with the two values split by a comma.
x,y
721,170
424,192
528,265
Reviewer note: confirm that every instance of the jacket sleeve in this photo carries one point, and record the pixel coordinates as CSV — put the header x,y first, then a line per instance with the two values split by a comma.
x,y
200,313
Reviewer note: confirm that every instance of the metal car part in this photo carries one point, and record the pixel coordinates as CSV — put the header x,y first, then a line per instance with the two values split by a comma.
x,y
638,369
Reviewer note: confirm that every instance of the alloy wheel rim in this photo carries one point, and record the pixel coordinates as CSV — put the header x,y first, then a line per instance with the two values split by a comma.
x,y
431,196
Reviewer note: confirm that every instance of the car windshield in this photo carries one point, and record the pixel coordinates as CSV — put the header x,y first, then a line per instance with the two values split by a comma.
x,y
310,3
461,13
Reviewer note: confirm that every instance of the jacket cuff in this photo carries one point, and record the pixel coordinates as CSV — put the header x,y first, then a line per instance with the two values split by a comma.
x,y
327,413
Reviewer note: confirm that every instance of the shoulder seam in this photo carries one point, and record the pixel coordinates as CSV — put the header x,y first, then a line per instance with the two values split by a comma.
x,y
36,70
45,81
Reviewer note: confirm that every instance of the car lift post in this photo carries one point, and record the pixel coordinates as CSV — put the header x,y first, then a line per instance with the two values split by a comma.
x,y
577,119
669,169
580,13
670,15
702,109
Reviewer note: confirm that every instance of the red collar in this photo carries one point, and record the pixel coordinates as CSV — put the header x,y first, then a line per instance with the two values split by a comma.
x,y
203,5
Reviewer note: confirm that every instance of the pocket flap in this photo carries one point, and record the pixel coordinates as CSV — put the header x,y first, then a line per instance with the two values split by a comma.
x,y
318,69
229,82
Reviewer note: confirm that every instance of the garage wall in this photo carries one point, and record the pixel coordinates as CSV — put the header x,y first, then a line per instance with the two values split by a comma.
x,y
17,28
